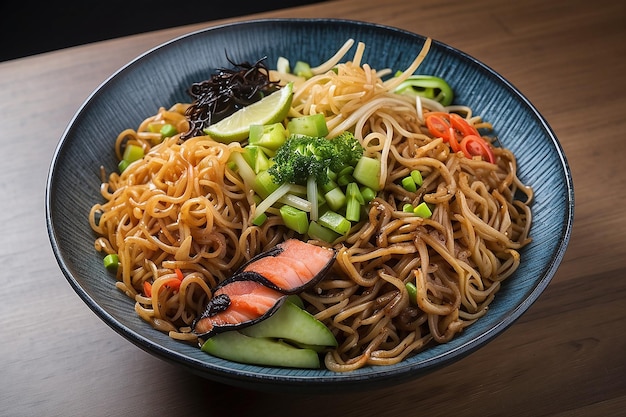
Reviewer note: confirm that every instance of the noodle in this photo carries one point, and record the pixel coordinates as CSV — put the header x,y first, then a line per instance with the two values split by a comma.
x,y
183,210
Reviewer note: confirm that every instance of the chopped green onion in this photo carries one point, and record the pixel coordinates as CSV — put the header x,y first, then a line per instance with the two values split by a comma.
x,y
408,208
417,177
111,262
409,184
168,130
422,210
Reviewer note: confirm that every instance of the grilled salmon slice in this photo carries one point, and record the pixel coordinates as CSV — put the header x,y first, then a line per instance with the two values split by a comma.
x,y
260,286
292,265
235,304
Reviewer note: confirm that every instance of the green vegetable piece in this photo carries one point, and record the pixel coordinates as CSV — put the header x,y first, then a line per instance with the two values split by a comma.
x,y
412,290
313,125
111,262
292,324
132,153
260,219
122,165
328,186
422,210
335,198
408,183
354,201
237,347
304,156
249,154
295,219
264,184
417,177
367,172
322,233
282,65
335,222
168,130
271,136
408,208
302,69
368,194
434,88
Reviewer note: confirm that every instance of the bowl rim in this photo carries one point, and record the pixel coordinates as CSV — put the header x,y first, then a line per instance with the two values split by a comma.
x,y
295,382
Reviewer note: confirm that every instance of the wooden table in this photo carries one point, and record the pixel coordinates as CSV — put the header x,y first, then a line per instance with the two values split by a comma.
x,y
566,356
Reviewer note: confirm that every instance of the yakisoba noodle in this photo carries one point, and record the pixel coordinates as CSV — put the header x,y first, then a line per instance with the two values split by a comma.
x,y
183,208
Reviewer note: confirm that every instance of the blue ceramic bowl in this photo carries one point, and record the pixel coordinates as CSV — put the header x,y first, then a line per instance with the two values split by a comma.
x,y
160,78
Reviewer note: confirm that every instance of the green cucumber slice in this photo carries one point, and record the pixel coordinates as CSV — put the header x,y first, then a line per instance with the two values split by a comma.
x,y
238,347
293,324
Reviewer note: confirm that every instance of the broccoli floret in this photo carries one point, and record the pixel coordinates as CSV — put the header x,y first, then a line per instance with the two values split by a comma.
x,y
304,156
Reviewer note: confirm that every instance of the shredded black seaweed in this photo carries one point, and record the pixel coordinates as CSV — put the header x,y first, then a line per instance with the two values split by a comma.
x,y
225,92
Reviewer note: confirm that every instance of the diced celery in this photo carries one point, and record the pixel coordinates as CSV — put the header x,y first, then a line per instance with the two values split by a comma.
x,y
132,153
354,201
262,162
155,127
260,219
367,172
313,125
111,262
264,184
271,136
368,194
335,198
335,222
328,186
249,154
282,65
295,219
422,210
302,69
322,233
168,130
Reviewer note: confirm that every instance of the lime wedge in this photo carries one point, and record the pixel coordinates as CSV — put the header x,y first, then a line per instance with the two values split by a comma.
x,y
272,108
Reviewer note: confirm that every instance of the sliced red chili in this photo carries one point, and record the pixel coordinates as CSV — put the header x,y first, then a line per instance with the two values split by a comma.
x,y
474,145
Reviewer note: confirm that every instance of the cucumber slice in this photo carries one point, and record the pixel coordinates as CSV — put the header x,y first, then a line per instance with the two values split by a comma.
x,y
238,347
293,324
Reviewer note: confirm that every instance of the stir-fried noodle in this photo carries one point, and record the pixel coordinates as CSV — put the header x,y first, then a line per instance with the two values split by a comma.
x,y
183,210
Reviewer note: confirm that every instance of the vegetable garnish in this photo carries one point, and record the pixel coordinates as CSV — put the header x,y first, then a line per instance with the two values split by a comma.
x,y
226,92
304,156
454,130
429,86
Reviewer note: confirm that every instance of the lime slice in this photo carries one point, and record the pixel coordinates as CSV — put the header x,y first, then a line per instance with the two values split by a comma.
x,y
270,109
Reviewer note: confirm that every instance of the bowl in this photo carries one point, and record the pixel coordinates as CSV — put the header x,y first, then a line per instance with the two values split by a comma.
x,y
160,77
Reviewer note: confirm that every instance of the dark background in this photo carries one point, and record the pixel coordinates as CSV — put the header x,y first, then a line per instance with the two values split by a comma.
x,y
28,27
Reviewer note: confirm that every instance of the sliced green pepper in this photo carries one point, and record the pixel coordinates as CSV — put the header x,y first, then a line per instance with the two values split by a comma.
x,y
429,86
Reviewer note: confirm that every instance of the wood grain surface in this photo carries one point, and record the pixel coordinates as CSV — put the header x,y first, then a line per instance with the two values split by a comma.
x,y
565,357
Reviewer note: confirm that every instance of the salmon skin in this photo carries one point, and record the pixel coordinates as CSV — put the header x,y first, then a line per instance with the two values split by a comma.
x,y
261,285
